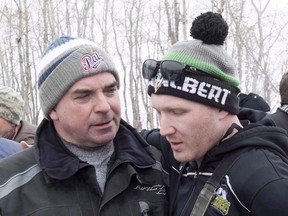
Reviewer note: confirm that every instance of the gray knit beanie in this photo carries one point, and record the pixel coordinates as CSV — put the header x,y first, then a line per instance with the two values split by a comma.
x,y
213,76
63,63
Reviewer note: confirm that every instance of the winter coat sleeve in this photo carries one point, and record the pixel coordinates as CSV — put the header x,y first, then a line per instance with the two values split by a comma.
x,y
272,199
154,138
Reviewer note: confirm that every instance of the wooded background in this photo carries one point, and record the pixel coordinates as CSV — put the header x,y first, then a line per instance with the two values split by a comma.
x,y
134,30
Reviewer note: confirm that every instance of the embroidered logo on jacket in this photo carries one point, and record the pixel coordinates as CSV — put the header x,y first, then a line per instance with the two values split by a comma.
x,y
220,201
158,189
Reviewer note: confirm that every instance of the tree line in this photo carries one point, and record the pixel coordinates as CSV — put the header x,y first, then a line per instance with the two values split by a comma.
x,y
134,30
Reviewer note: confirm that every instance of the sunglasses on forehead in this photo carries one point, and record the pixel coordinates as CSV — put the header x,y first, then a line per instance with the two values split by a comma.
x,y
170,70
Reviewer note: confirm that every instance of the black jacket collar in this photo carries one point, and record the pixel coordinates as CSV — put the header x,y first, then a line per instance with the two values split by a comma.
x,y
59,163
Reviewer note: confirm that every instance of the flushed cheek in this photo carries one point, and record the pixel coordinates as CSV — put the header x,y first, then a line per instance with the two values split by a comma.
x,y
191,144
117,111
80,119
115,105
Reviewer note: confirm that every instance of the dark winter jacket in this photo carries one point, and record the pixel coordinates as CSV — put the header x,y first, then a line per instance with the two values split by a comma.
x,y
280,117
257,183
47,179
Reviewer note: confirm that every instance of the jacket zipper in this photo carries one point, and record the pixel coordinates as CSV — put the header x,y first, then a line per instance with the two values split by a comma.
x,y
188,203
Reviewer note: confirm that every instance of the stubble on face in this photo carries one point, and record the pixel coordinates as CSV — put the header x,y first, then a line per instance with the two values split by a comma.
x,y
89,113
190,127
7,129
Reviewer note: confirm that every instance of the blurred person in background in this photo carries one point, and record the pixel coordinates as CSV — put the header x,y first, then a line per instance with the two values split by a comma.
x,y
9,147
280,117
253,107
254,101
12,126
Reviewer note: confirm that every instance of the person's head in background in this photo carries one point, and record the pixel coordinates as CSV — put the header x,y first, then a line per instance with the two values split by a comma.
x,y
280,116
11,111
78,90
254,101
194,89
283,89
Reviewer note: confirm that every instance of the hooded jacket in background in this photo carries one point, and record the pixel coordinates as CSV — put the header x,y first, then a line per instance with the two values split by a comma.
x,y
280,117
26,133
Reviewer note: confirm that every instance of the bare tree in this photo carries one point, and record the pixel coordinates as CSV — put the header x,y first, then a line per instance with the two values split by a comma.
x,y
174,18
254,44
132,31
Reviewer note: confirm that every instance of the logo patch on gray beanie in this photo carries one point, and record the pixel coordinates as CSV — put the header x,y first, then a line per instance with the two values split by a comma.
x,y
91,61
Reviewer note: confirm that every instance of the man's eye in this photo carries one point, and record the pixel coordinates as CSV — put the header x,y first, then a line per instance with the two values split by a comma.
x,y
111,90
176,112
81,96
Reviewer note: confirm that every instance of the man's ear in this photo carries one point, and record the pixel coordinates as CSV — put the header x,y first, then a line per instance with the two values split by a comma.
x,y
223,114
53,115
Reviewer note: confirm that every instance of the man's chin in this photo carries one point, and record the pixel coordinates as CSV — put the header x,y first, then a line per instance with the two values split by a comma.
x,y
104,138
181,157
178,156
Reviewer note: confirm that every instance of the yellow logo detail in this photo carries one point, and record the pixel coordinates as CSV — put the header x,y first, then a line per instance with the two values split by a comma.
x,y
221,204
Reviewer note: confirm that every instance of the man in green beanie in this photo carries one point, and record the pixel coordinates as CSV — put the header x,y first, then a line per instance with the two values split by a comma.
x,y
219,164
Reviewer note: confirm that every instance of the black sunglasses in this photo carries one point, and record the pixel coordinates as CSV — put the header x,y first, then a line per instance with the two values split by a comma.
x,y
170,70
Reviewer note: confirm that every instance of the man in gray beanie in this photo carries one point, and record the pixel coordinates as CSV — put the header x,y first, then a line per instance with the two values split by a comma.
x,y
224,165
12,125
86,160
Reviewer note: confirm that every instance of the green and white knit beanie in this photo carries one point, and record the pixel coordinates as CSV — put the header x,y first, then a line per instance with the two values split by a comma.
x,y
205,53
